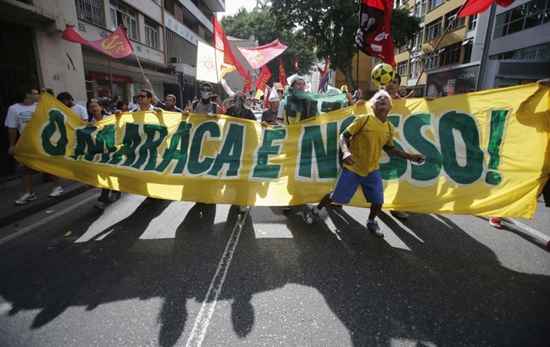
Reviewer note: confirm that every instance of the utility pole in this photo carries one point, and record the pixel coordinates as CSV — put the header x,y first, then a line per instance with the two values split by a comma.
x,y
486,45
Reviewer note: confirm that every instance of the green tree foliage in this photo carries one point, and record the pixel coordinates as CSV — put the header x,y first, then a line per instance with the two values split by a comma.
x,y
331,25
262,25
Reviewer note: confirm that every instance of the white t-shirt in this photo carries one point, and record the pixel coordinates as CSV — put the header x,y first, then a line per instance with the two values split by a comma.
x,y
18,116
80,111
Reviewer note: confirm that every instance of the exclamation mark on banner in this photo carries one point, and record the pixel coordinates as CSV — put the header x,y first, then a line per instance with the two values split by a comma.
x,y
498,122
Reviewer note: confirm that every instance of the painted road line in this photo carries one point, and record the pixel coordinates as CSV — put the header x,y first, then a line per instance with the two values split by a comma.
x,y
545,239
216,285
31,227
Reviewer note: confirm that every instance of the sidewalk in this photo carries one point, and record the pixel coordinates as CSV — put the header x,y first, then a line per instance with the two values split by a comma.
x,y
12,189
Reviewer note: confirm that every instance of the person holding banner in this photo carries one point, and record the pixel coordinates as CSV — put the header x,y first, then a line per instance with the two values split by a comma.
x,y
269,116
362,143
67,99
204,104
96,114
145,102
170,104
239,108
496,222
19,114
299,104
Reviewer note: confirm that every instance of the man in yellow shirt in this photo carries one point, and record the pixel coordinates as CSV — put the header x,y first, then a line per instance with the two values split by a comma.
x,y
362,144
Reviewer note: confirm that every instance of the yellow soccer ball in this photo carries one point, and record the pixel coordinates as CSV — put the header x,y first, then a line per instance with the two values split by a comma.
x,y
383,74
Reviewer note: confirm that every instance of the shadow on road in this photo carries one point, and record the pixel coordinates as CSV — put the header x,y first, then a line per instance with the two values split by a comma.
x,y
448,290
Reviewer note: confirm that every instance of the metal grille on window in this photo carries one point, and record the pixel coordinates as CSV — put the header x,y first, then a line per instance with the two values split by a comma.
x,y
151,34
91,11
123,15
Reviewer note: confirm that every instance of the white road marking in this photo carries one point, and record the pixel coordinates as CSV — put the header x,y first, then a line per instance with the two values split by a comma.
x,y
113,214
45,220
216,285
272,231
335,231
529,230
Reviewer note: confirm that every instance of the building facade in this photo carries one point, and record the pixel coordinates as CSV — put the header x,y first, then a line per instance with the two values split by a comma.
x,y
519,49
452,55
164,34
445,55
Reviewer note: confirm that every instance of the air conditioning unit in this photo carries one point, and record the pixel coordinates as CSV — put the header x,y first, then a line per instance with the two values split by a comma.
x,y
176,60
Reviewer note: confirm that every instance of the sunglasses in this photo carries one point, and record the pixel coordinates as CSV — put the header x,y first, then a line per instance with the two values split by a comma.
x,y
141,96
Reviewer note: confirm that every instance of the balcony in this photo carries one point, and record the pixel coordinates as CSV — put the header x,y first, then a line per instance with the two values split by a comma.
x,y
195,12
215,5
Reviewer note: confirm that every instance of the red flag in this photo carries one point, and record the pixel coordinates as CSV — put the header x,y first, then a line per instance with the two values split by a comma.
x,y
115,45
267,92
259,56
323,82
221,43
374,34
295,64
473,7
263,78
282,72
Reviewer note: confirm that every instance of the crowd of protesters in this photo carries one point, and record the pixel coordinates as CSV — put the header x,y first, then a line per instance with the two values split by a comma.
x,y
242,105
298,105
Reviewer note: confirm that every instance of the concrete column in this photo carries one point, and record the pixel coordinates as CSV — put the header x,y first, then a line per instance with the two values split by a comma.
x,y
61,63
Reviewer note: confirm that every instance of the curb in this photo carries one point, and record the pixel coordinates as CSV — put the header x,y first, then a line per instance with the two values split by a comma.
x,y
36,207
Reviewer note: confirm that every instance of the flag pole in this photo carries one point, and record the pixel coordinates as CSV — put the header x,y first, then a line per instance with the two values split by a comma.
x,y
111,77
149,85
484,57
358,52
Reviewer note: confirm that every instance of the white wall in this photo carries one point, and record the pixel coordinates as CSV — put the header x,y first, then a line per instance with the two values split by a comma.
x,y
60,62
149,7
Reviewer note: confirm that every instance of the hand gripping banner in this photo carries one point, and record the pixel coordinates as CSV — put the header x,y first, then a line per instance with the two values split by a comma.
x,y
487,154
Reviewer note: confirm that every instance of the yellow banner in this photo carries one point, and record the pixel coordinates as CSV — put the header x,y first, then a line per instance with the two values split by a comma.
x,y
487,154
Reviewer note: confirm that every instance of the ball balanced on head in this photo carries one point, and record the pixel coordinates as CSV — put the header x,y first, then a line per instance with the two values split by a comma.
x,y
383,74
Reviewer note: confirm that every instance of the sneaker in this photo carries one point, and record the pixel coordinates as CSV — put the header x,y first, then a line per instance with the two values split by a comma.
x,y
399,214
100,205
373,227
25,198
57,191
495,222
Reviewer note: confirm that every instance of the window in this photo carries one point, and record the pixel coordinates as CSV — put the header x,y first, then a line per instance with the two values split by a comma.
x,y
450,55
420,8
151,33
416,68
125,16
402,68
467,52
91,11
472,23
522,17
432,61
539,53
433,30
169,6
434,3
417,43
452,21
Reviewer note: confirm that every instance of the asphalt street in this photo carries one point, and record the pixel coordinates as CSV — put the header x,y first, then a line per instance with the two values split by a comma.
x,y
151,272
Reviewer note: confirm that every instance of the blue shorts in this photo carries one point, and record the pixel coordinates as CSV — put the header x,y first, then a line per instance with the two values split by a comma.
x,y
348,182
